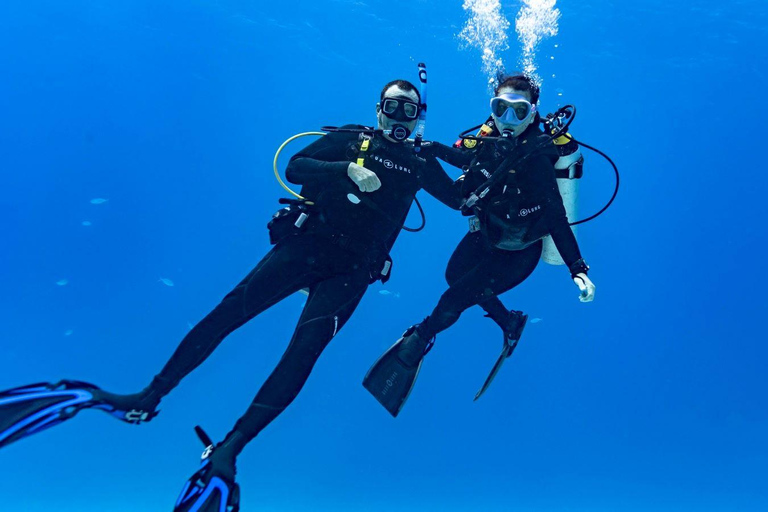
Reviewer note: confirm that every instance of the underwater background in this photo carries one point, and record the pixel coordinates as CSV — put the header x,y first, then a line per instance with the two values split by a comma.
x,y
136,147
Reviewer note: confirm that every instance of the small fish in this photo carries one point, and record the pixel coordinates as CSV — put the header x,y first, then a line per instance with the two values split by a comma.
x,y
99,200
189,325
387,292
68,332
62,282
166,281
86,223
535,320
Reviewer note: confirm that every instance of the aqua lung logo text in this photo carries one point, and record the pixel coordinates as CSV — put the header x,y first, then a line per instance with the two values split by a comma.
x,y
389,383
526,211
389,164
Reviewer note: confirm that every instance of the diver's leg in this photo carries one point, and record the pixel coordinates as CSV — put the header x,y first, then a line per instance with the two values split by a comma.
x,y
393,376
474,250
330,304
515,267
484,278
471,251
281,272
30,409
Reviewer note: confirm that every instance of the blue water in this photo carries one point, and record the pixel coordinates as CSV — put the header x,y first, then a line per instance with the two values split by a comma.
x,y
651,398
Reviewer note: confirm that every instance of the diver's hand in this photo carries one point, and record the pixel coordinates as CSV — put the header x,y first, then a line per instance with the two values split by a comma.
x,y
586,287
366,180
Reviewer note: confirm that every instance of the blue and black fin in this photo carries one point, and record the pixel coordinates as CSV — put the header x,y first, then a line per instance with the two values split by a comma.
x,y
212,488
31,409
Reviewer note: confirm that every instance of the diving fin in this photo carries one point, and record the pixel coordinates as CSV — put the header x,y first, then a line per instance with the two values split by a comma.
x,y
31,409
511,338
212,488
392,377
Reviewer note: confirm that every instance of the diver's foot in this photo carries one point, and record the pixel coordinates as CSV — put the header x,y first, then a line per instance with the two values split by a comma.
x,y
412,347
212,488
135,409
514,328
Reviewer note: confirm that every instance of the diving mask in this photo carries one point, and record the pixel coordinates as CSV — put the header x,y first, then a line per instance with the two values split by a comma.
x,y
512,109
400,109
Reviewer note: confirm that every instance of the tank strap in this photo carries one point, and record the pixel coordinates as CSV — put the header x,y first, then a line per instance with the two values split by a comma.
x,y
575,171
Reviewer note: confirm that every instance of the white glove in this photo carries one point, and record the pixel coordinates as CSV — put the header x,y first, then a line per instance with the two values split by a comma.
x,y
586,287
366,180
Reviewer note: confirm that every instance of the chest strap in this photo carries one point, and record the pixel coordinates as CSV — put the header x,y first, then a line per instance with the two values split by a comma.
x,y
364,145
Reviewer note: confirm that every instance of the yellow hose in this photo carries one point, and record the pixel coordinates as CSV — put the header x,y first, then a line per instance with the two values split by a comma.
x,y
277,155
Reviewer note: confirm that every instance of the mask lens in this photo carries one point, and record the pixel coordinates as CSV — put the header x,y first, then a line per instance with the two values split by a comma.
x,y
411,109
521,111
389,106
499,107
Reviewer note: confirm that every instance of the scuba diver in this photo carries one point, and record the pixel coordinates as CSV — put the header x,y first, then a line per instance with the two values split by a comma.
x,y
511,193
357,186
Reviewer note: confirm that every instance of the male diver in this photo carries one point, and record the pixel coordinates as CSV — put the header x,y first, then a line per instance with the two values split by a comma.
x,y
511,192
357,186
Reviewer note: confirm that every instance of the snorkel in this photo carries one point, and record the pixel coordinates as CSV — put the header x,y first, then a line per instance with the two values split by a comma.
x,y
422,123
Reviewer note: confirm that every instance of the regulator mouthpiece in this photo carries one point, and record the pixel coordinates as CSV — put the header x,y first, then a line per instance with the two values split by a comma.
x,y
399,133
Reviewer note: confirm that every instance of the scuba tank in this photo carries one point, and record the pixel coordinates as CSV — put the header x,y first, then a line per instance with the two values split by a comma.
x,y
569,169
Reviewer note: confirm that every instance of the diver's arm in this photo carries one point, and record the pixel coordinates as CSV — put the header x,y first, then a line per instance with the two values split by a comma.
x,y
560,229
305,171
455,156
566,244
323,160
439,185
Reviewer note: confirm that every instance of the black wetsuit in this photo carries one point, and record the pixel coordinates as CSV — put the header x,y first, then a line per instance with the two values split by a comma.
x,y
336,254
517,213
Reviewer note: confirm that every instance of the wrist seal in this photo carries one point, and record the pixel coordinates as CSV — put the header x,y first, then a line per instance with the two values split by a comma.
x,y
578,267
